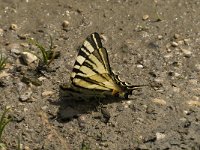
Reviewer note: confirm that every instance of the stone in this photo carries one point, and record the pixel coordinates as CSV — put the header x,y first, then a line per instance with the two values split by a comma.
x,y
65,24
1,32
25,96
160,136
28,58
174,44
194,103
13,27
47,93
159,101
145,17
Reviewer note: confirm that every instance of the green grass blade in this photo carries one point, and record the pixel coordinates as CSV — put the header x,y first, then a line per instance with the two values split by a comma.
x,y
2,62
44,53
3,122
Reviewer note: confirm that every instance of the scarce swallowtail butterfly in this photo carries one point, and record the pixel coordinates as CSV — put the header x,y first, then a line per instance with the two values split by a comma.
x,y
92,75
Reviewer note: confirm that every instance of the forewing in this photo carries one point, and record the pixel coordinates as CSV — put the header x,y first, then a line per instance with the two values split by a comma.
x,y
92,69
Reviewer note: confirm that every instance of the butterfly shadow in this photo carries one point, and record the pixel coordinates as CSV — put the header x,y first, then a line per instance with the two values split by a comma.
x,y
72,108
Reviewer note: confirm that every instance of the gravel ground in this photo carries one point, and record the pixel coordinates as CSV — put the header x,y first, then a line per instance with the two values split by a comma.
x,y
155,43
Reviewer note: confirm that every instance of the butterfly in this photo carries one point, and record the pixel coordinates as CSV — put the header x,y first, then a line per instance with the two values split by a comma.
x,y
92,75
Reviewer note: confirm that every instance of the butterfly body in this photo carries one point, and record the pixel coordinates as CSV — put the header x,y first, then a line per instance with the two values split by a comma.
x,y
92,75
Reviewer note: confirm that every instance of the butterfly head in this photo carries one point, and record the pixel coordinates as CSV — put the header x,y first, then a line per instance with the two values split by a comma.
x,y
123,92
124,89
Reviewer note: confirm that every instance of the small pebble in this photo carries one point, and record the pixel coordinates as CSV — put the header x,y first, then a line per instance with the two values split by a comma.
x,y
126,106
186,52
139,120
24,45
176,74
104,144
186,112
186,41
25,148
159,101
13,27
26,109
15,51
28,57
158,80
23,36
176,36
47,93
130,41
105,113
181,42
8,107
106,116
3,74
145,17
14,48
96,115
1,32
140,66
20,86
42,78
149,137
143,147
196,98
25,96
197,66
185,123
81,120
65,24
129,102
169,50
120,108
193,103
145,34
104,38
150,110
174,44
193,81
44,107
160,136
160,37
176,89
168,45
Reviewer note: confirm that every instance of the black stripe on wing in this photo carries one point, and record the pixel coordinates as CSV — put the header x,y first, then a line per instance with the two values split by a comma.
x,y
92,45
104,56
83,76
84,52
90,64
95,40
124,84
91,81
97,49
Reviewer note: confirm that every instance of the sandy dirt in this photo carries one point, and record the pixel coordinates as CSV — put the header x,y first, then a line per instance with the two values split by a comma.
x,y
154,43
